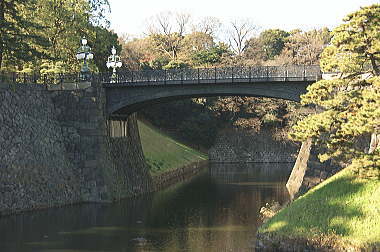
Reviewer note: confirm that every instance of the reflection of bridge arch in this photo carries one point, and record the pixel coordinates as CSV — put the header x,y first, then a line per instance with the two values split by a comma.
x,y
131,91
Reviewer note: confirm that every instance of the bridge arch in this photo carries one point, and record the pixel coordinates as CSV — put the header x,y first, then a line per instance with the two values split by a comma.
x,y
127,93
128,100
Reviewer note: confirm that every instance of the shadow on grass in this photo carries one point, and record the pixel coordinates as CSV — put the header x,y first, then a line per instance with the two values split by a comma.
x,y
326,210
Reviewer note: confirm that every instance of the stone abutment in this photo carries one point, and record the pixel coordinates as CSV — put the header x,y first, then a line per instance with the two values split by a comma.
x,y
58,148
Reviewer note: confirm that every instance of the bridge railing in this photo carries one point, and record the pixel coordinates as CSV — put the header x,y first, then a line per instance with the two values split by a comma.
x,y
172,76
215,75
48,79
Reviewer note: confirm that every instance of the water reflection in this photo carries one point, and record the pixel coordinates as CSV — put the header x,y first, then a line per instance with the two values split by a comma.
x,y
215,211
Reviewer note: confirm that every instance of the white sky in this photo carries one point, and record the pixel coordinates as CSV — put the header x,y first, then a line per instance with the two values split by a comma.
x,y
131,16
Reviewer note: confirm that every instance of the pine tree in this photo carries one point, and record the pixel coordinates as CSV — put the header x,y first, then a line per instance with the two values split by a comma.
x,y
349,105
17,43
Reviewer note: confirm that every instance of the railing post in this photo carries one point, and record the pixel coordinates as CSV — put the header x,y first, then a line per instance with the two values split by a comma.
x,y
131,76
215,75
286,75
304,73
198,77
165,76
181,76
250,74
232,71
267,70
319,75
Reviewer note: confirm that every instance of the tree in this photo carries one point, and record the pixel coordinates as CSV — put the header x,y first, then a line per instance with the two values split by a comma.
x,y
18,42
167,31
208,25
101,46
136,52
304,48
99,11
349,106
211,56
273,41
44,35
65,22
265,47
239,32
196,41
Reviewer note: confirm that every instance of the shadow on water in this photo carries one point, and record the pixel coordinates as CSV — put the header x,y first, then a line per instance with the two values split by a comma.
x,y
216,210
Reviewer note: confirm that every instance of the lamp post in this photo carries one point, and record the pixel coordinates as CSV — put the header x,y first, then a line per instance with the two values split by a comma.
x,y
113,61
84,53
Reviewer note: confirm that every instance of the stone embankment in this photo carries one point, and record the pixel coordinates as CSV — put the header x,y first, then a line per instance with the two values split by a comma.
x,y
174,176
262,147
57,148
240,146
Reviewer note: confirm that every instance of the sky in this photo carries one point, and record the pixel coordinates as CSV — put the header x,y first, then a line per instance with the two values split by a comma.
x,y
132,16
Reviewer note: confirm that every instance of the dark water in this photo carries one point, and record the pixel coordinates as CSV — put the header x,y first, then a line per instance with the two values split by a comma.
x,y
217,210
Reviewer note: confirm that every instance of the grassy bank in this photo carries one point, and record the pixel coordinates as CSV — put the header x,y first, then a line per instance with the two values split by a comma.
x,y
342,211
163,153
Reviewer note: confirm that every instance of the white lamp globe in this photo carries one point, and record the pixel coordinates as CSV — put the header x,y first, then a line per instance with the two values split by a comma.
x,y
80,56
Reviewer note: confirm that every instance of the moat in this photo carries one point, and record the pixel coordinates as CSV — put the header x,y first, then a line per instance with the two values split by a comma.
x,y
217,210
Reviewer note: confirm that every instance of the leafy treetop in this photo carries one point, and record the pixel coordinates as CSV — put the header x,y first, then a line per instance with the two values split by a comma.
x,y
348,108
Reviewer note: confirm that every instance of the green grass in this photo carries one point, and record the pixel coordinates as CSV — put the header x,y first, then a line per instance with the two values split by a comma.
x,y
162,153
344,207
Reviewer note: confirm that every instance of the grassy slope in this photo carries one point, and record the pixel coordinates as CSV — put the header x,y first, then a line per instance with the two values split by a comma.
x,y
163,153
344,207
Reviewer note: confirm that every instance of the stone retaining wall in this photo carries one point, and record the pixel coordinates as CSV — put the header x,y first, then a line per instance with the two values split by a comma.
x,y
171,177
241,146
57,148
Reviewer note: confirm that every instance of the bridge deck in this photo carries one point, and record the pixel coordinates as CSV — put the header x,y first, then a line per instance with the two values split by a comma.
x,y
174,76
209,81
213,75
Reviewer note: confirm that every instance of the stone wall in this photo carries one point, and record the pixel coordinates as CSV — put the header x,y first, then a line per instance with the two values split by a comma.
x,y
57,148
180,174
35,170
241,146
262,147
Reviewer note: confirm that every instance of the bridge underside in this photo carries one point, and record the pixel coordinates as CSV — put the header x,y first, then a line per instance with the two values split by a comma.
x,y
124,99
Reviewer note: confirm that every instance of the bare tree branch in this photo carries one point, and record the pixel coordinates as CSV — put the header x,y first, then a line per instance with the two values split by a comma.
x,y
167,30
182,20
161,24
239,33
208,25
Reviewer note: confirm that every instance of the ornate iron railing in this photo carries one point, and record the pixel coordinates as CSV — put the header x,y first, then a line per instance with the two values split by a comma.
x,y
51,78
174,76
215,75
